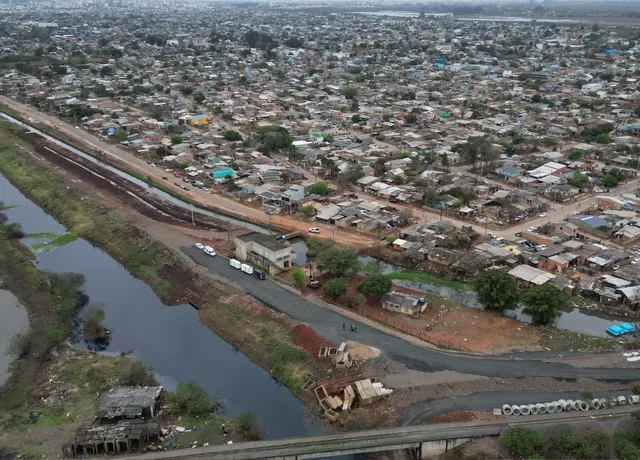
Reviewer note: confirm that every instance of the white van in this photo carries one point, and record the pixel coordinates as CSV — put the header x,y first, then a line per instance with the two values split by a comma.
x,y
248,269
235,264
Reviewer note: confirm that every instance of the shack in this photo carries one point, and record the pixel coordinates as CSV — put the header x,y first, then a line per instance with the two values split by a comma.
x,y
403,303
129,402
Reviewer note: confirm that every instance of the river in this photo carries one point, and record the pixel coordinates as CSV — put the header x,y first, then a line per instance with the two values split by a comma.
x,y
170,339
14,321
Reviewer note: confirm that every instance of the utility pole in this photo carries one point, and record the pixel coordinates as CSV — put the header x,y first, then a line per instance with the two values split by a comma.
x,y
193,222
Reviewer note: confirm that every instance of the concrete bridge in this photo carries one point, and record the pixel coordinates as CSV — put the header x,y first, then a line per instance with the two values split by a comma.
x,y
423,441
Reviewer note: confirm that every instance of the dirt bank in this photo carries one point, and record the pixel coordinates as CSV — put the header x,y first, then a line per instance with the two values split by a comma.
x,y
102,179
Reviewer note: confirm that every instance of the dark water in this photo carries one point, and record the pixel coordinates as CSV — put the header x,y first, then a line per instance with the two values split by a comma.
x,y
170,339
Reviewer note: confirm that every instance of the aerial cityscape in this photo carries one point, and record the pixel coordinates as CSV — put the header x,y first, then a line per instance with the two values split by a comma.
x,y
319,230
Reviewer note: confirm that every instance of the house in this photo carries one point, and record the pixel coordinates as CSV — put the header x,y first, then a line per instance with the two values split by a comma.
x,y
129,402
530,276
403,303
264,251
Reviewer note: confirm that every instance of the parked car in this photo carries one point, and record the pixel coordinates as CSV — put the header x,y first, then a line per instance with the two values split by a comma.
x,y
165,177
544,214
314,230
541,247
184,187
199,245
616,267
209,251
533,229
269,212
491,235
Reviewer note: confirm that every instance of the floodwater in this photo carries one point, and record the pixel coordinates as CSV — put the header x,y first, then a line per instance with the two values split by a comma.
x,y
170,339
14,321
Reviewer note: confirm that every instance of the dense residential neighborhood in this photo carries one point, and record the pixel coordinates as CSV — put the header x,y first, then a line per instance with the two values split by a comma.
x,y
349,195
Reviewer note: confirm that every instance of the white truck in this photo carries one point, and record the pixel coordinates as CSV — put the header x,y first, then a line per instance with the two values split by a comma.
x,y
235,263
248,269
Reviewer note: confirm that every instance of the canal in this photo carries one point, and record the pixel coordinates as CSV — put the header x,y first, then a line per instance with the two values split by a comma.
x,y
170,339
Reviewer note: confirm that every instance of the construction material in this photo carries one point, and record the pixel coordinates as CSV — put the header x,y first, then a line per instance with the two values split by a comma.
x,y
542,408
633,399
322,353
343,359
369,392
533,409
552,407
515,410
308,384
524,410
331,415
621,400
506,409
348,398
342,347
595,404
235,263
248,269
582,405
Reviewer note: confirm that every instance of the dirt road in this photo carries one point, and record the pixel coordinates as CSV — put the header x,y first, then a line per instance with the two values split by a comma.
x,y
216,201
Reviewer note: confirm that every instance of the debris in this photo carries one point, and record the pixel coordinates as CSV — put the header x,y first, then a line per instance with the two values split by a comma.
x,y
308,384
180,429
369,392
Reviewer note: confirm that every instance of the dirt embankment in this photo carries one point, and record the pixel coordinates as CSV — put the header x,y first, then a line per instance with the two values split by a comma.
x,y
104,180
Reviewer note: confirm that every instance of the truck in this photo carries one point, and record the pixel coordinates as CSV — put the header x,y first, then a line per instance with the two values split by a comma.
x,y
248,269
235,263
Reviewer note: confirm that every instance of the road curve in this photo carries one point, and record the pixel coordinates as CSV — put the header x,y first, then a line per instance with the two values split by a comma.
x,y
328,323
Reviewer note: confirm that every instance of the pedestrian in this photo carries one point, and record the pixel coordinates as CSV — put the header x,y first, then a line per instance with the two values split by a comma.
x,y
355,328
351,327
343,326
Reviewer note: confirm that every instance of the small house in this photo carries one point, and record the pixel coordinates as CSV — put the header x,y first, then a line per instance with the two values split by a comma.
x,y
403,303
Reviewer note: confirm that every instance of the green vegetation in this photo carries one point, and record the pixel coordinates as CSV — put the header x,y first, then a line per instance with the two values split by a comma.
x,y
523,442
297,275
13,231
627,444
175,139
497,290
307,210
586,395
232,136
579,180
613,177
575,154
339,262
92,323
544,303
133,372
319,188
190,399
429,278
375,284
335,287
559,340
350,92
273,138
55,242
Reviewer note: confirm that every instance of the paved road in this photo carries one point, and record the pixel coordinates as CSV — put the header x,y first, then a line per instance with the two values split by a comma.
x,y
215,201
328,323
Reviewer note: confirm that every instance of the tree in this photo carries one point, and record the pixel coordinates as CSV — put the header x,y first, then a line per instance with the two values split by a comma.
x,y
579,180
375,284
536,98
431,198
335,287
398,180
544,303
350,92
350,175
523,442
188,399
199,97
575,154
636,112
186,90
175,139
297,275
273,138
410,118
613,177
497,290
356,118
161,151
338,262
319,188
14,231
444,159
232,136
603,138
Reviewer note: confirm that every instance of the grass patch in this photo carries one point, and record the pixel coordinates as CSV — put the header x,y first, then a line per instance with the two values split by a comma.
x,y
206,429
13,400
33,452
429,278
563,340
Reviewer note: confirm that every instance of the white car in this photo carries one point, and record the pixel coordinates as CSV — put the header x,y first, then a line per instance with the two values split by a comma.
x,y
541,247
199,245
635,262
314,230
544,214
209,251
533,229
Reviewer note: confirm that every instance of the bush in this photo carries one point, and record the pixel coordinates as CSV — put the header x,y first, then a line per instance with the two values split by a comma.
x,y
335,287
134,372
523,442
586,395
625,449
232,136
250,427
319,188
355,301
92,323
190,399
297,275
375,284
14,231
